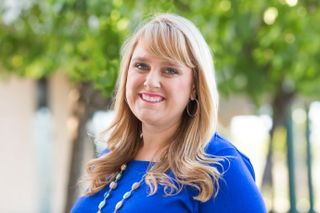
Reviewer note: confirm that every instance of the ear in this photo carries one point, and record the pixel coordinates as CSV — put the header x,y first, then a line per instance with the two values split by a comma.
x,y
193,92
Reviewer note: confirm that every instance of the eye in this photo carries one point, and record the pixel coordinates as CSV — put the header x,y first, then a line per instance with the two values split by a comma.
x,y
170,71
141,66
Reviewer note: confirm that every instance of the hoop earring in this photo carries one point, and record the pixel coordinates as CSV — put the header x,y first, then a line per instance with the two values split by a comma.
x,y
194,108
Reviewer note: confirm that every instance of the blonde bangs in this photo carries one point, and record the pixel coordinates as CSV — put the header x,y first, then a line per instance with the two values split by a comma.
x,y
165,41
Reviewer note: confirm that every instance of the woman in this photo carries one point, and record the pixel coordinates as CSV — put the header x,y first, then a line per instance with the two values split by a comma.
x,y
160,156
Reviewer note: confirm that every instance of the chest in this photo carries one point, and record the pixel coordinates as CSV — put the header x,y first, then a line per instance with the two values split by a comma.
x,y
139,200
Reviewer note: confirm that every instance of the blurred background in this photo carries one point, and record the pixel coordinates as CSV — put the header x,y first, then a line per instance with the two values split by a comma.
x,y
59,62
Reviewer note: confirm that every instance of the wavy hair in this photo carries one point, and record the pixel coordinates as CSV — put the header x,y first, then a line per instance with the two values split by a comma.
x,y
174,38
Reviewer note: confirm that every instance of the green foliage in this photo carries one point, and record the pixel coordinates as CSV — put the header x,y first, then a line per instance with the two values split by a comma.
x,y
81,38
258,45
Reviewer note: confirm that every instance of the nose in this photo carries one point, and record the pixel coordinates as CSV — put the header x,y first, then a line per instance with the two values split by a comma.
x,y
153,80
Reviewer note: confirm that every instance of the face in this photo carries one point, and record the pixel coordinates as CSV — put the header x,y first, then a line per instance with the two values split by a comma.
x,y
157,90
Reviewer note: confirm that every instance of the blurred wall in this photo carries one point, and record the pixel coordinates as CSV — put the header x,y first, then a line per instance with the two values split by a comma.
x,y
60,104
33,171
18,184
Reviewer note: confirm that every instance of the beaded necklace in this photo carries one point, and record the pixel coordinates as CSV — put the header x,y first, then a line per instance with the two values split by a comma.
x,y
114,185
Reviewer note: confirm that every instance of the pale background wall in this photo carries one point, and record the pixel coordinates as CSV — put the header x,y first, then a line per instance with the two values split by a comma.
x,y
60,103
18,179
24,166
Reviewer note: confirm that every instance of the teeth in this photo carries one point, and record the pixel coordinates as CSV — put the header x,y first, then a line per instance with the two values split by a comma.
x,y
151,99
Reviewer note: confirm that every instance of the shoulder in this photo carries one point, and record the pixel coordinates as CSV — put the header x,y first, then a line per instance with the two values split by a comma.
x,y
218,143
237,176
219,146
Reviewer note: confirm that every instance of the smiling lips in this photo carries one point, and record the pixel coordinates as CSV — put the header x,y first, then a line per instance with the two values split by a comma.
x,y
151,98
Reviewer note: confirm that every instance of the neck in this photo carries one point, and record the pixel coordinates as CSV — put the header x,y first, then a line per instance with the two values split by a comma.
x,y
154,139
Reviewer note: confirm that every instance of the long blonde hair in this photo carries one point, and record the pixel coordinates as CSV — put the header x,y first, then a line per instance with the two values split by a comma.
x,y
175,38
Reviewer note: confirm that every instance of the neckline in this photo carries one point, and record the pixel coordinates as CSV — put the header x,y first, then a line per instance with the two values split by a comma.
x,y
140,161
144,161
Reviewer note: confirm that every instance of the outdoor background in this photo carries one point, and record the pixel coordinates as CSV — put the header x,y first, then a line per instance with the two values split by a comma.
x,y
59,62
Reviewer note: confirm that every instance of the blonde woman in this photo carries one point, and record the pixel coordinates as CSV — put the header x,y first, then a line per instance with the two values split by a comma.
x,y
163,153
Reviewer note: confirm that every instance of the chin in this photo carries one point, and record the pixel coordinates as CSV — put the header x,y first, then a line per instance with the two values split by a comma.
x,y
149,120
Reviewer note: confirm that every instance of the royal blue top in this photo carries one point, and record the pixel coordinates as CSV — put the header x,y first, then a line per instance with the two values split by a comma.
x,y
237,193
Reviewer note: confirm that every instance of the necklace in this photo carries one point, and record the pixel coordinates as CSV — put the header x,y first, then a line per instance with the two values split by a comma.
x,y
114,185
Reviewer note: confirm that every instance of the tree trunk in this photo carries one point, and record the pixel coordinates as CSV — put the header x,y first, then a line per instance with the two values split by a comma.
x,y
88,101
280,105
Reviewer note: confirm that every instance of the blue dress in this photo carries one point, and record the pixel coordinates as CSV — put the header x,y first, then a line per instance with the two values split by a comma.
x,y
238,192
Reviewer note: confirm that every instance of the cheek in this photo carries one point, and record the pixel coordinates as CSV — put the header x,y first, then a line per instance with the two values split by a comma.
x,y
183,91
186,86
132,84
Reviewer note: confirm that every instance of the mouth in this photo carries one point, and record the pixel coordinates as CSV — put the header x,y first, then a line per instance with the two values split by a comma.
x,y
151,98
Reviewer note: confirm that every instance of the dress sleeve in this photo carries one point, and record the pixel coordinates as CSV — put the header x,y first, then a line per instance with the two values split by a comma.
x,y
238,191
